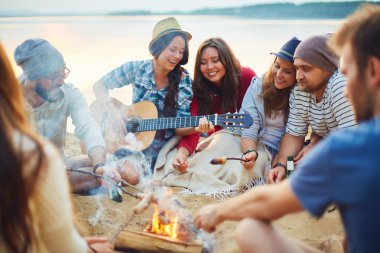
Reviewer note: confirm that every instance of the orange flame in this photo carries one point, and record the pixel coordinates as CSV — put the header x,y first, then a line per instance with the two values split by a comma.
x,y
160,228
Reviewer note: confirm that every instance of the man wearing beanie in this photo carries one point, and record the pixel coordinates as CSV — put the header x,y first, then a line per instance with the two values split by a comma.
x,y
50,101
317,101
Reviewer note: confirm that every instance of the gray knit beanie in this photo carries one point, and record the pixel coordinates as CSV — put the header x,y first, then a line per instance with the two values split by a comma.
x,y
38,58
314,50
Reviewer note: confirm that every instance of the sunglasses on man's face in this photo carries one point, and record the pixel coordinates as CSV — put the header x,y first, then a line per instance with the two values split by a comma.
x,y
64,74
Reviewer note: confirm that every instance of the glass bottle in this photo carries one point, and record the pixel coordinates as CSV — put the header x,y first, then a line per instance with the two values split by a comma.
x,y
289,166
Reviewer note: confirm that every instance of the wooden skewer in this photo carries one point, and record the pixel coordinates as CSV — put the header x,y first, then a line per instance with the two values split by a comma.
x,y
105,178
223,160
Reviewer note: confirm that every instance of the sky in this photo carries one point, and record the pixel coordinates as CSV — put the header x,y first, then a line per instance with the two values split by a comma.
x,y
103,6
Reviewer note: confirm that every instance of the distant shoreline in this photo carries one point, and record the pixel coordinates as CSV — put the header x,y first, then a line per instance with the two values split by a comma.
x,y
315,10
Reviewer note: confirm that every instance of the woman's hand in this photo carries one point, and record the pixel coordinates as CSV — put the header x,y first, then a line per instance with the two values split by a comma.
x,y
249,160
204,126
180,160
98,244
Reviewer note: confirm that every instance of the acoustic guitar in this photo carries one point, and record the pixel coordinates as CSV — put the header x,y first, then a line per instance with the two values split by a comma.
x,y
141,119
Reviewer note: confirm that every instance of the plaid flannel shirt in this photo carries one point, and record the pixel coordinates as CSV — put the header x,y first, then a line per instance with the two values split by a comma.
x,y
140,74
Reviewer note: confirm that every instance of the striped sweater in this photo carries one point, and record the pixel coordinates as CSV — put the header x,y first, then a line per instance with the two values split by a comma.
x,y
330,114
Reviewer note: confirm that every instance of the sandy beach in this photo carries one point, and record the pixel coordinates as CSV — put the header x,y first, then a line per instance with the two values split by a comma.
x,y
98,215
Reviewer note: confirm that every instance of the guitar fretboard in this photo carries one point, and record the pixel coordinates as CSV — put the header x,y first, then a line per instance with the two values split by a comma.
x,y
173,122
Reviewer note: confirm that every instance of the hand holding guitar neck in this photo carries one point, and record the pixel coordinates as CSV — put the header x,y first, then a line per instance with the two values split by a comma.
x,y
204,126
115,118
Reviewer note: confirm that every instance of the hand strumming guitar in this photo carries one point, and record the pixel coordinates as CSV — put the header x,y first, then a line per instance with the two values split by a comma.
x,y
115,118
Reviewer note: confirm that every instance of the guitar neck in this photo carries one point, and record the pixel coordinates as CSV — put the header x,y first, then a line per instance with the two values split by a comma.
x,y
172,122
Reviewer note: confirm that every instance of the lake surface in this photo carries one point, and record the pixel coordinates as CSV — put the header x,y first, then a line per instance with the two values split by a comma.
x,y
94,45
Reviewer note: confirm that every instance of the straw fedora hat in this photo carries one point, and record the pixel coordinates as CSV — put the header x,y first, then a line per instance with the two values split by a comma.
x,y
166,26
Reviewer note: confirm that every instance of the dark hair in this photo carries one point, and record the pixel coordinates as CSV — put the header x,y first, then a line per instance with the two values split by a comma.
x,y
275,100
175,75
203,88
17,187
362,32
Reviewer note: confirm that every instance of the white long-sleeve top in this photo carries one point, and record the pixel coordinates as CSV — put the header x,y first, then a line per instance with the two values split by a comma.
x,y
50,119
50,204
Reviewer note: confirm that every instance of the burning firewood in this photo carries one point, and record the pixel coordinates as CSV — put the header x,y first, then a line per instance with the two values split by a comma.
x,y
171,228
163,218
145,202
148,242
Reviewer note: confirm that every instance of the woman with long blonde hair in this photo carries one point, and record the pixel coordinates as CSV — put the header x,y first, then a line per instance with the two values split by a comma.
x,y
35,210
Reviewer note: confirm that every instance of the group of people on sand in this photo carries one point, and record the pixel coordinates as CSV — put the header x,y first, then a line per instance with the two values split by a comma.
x,y
326,83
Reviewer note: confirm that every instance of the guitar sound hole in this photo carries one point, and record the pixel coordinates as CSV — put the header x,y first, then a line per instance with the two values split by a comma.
x,y
132,125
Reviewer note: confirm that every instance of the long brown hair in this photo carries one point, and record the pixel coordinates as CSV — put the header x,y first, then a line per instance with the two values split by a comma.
x,y
175,75
203,88
16,188
275,100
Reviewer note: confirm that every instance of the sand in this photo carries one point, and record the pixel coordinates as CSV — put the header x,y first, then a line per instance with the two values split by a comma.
x,y
98,215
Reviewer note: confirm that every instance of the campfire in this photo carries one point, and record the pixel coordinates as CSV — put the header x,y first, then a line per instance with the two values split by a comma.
x,y
170,228
163,224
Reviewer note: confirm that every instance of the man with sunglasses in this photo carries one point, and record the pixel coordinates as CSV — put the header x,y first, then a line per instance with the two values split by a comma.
x,y
50,101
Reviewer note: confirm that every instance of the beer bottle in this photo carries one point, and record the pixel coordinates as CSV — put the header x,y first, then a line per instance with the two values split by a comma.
x,y
115,193
289,166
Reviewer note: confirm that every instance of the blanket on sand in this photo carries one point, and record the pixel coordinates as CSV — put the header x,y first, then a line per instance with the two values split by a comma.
x,y
219,181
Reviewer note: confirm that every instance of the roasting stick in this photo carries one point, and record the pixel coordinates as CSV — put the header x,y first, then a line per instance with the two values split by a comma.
x,y
223,160
170,172
108,180
128,184
145,198
167,174
105,177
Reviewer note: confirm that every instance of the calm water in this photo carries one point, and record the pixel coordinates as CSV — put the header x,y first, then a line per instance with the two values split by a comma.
x,y
94,45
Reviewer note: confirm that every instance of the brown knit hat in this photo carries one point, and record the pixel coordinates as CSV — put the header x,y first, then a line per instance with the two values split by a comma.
x,y
314,50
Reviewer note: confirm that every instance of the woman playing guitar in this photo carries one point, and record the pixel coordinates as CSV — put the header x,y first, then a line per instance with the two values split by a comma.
x,y
160,80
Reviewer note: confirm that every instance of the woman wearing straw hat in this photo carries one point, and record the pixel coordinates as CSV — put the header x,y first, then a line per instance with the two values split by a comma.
x,y
160,80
